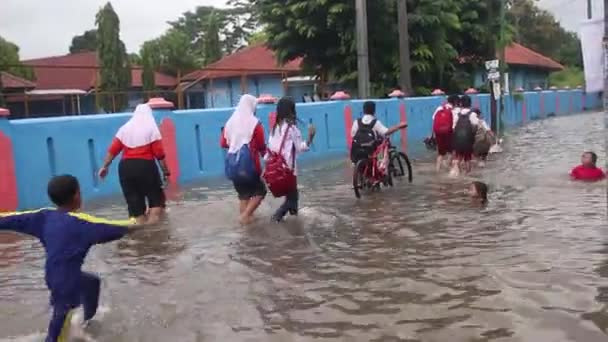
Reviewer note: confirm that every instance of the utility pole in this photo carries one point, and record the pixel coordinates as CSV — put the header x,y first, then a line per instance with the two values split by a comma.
x,y
362,49
605,46
405,75
503,65
589,9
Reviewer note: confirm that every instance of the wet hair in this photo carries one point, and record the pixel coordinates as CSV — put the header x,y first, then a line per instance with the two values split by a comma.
x,y
369,107
593,157
454,100
465,101
62,189
482,191
286,111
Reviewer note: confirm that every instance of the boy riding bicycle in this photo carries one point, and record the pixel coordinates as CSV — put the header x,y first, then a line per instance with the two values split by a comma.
x,y
368,132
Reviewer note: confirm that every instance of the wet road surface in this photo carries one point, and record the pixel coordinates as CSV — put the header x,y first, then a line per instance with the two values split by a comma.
x,y
417,262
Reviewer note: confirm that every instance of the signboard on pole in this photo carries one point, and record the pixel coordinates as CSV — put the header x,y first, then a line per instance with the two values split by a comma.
x,y
493,76
492,65
496,88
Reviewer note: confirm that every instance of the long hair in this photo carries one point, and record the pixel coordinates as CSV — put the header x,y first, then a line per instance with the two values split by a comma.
x,y
286,112
482,191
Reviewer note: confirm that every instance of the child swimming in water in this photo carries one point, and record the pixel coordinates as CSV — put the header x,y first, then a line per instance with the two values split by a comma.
x,y
478,191
588,170
67,237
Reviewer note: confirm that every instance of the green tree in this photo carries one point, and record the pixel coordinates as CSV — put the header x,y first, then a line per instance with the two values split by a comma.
x,y
538,30
115,73
212,43
10,61
170,54
84,42
150,57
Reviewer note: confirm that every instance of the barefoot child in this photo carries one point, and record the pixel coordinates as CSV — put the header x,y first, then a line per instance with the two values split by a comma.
x,y
244,135
67,237
588,171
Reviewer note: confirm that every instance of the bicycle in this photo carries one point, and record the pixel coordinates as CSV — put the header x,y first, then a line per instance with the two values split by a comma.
x,y
379,169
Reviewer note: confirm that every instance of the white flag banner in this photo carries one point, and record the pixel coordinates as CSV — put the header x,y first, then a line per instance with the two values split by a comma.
x,y
591,33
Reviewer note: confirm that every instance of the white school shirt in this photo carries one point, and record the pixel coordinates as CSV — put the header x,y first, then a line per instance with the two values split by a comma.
x,y
472,116
379,128
293,141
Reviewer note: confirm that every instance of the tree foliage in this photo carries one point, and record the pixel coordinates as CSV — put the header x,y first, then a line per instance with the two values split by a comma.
x,y
538,30
10,61
212,42
84,42
115,73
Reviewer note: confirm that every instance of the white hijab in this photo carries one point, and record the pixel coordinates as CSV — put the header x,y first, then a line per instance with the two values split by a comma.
x,y
241,125
140,130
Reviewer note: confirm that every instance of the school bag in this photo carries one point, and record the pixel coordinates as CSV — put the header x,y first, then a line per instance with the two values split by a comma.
x,y
364,141
464,134
279,177
444,120
239,167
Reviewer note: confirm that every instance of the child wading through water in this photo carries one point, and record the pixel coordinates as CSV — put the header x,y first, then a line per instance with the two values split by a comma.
x,y
588,171
286,133
478,192
465,126
443,128
67,237
367,132
243,136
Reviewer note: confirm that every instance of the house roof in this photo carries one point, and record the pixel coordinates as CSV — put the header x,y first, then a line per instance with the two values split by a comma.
x,y
79,71
251,60
518,54
10,81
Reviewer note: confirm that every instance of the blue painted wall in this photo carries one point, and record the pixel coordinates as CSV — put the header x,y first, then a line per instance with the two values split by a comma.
x,y
225,92
519,76
77,145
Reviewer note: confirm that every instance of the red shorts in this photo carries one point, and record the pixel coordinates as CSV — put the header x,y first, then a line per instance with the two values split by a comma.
x,y
444,143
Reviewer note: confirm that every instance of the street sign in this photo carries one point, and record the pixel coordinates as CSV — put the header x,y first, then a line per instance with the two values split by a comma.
x,y
493,64
493,75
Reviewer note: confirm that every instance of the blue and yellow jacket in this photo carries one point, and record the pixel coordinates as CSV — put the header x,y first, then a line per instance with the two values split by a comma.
x,y
67,238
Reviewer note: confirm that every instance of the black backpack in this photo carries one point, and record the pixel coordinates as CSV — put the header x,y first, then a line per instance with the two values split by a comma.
x,y
464,134
364,141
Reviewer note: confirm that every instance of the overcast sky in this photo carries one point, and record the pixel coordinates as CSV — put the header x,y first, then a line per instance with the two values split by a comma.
x,y
46,27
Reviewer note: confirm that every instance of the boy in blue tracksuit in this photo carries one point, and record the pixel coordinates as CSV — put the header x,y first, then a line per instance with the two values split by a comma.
x,y
67,237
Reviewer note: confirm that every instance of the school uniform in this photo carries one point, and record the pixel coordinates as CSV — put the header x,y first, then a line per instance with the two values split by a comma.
x,y
294,144
67,238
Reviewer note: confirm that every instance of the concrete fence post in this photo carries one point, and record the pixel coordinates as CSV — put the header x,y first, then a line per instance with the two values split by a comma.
x,y
8,176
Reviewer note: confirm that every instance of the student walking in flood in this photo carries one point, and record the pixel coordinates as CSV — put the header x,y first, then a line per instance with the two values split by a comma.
x,y
284,145
243,136
140,142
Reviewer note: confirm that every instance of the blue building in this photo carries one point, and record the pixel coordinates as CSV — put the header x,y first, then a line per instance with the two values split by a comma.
x,y
527,69
253,70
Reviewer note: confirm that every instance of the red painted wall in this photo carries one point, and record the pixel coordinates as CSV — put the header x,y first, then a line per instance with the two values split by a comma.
x,y
348,124
167,130
403,116
8,177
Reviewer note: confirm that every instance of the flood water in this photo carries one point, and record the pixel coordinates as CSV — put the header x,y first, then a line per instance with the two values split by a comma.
x,y
415,263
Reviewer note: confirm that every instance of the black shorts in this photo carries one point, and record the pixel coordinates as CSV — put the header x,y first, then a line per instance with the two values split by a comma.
x,y
140,182
247,191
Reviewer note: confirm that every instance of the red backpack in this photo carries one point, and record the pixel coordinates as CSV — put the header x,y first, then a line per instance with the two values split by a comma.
x,y
279,178
444,121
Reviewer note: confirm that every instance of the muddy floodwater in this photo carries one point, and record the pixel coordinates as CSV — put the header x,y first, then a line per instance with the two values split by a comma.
x,y
414,263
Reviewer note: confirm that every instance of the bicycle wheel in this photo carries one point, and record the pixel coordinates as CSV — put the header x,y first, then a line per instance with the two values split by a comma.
x,y
400,164
359,177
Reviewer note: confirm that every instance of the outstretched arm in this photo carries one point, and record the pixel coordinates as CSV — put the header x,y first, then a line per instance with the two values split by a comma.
x,y
98,230
26,222
113,151
396,128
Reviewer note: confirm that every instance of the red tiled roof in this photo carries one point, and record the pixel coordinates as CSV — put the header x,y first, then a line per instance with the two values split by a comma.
x,y
251,60
520,55
10,81
79,71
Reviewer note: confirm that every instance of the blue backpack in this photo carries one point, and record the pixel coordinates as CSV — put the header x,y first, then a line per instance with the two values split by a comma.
x,y
240,167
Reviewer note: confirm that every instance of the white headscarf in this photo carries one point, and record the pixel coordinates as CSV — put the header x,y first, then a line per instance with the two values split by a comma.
x,y
140,130
241,125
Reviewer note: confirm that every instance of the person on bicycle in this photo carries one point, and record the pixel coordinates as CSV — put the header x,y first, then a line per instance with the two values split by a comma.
x,y
367,132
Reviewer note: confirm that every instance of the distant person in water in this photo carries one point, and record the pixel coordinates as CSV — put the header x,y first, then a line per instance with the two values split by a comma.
x,y
478,192
588,170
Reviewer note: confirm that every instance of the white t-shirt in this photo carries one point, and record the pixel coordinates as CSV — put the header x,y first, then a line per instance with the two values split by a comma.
x,y
367,119
293,142
472,116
